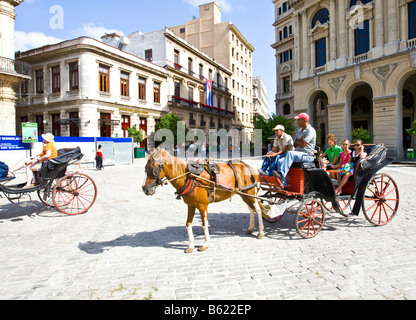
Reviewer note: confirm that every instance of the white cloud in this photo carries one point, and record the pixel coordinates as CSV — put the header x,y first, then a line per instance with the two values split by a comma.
x,y
95,31
28,40
225,5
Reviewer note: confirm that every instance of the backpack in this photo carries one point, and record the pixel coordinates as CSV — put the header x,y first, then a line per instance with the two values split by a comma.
x,y
4,170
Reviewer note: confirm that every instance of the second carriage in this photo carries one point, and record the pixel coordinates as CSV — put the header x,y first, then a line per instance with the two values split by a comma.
x,y
71,193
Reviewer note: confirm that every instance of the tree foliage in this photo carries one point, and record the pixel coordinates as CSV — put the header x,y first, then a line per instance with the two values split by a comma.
x,y
267,126
171,122
137,135
412,131
362,134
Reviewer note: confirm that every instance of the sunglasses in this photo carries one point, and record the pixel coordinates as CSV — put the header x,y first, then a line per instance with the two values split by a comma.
x,y
357,145
345,144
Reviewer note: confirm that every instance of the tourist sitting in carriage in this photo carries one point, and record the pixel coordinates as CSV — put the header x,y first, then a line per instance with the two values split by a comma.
x,y
282,144
332,155
34,164
305,142
347,170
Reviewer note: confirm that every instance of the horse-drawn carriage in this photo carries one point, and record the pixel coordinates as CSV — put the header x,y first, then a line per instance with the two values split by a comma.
x,y
70,193
310,194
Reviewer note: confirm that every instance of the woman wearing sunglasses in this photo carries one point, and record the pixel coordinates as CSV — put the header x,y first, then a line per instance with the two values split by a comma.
x,y
348,170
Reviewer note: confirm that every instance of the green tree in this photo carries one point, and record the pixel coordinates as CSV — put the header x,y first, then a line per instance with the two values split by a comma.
x,y
362,134
171,122
412,131
137,135
267,126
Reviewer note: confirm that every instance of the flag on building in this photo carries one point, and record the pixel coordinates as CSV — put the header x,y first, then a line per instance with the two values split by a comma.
x,y
210,96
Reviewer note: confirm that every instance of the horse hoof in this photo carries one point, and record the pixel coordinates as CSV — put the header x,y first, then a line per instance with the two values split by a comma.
x,y
260,236
249,231
200,249
189,250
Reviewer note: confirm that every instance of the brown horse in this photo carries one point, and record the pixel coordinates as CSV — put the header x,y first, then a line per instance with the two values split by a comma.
x,y
162,165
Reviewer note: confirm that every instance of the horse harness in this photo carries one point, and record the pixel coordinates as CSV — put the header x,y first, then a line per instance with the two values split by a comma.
x,y
195,169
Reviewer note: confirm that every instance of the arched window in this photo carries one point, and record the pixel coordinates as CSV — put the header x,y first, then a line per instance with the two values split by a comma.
x,y
322,16
354,2
361,104
285,34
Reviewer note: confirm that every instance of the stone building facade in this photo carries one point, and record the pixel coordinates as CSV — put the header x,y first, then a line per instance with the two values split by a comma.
x,y
354,65
260,99
188,69
225,43
12,72
83,87
284,46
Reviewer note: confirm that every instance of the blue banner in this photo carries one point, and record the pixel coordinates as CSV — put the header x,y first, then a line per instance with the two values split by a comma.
x,y
13,143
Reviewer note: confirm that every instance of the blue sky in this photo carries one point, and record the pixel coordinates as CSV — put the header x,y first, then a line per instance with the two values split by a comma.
x,y
41,22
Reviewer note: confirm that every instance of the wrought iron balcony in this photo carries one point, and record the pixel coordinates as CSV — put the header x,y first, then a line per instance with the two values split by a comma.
x,y
14,66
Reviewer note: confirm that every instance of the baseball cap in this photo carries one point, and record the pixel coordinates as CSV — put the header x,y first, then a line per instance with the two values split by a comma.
x,y
279,127
303,116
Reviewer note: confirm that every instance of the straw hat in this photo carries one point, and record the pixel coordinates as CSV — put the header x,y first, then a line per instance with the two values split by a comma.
x,y
279,127
49,137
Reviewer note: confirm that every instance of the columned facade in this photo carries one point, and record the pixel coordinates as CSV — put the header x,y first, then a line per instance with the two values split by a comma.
x,y
356,67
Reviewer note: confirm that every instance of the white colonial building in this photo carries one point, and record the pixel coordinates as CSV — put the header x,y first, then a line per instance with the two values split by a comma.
x,y
260,99
83,87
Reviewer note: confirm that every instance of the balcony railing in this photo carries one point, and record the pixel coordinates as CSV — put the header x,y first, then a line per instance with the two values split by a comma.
x,y
14,66
195,75
190,104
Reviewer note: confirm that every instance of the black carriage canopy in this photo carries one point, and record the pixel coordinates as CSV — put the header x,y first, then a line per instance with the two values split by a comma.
x,y
65,156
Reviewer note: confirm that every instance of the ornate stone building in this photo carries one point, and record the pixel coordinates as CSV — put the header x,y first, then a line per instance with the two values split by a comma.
x,y
284,57
354,65
12,72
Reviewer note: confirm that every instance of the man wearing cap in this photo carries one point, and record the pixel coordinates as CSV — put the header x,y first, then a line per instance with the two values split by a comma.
x,y
282,144
33,164
305,142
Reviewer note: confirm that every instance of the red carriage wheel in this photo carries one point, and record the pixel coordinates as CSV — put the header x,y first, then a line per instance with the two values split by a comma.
x,y
74,194
310,219
270,219
381,200
345,205
46,195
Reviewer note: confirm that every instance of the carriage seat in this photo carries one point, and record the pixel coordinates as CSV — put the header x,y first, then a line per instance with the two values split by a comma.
x,y
303,165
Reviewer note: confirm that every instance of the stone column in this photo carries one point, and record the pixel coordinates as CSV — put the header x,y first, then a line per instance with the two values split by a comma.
x,y
332,31
342,35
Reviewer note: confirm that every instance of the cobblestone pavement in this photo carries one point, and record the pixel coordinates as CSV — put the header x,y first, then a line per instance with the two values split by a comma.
x,y
129,246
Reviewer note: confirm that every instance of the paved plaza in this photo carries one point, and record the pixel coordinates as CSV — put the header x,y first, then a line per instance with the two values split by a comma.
x,y
129,246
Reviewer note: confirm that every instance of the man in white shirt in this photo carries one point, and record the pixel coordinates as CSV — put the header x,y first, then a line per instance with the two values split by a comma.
x,y
305,142
282,144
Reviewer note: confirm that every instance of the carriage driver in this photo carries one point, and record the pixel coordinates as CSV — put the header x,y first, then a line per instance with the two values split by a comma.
x,y
282,144
33,164
305,142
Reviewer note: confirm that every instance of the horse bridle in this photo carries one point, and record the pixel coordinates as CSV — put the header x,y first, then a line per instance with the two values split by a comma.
x,y
155,172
